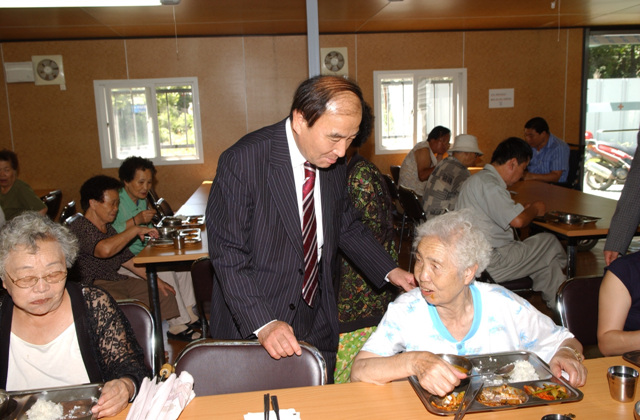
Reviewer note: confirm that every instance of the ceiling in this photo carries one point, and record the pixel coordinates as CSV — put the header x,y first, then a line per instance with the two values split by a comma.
x,y
271,17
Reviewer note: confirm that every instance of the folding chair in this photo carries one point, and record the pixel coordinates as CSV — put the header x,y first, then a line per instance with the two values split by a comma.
x,y
142,323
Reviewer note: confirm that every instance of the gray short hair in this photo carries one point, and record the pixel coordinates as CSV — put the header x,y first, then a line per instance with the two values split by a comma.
x,y
462,232
28,229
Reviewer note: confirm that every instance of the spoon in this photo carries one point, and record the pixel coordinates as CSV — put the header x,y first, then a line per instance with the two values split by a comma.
x,y
501,371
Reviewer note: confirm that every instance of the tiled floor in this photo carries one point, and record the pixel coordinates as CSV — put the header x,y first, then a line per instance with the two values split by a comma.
x,y
588,263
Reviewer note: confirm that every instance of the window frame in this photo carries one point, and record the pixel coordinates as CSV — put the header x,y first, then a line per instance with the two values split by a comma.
x,y
459,126
104,115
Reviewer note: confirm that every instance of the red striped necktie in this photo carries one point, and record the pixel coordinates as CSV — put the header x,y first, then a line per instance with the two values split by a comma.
x,y
309,237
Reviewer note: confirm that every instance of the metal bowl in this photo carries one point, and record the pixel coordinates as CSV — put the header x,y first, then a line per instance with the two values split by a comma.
x,y
461,363
556,417
569,218
636,411
171,221
167,232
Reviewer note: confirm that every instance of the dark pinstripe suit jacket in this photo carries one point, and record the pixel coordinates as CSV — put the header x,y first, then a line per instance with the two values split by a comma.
x,y
627,216
255,238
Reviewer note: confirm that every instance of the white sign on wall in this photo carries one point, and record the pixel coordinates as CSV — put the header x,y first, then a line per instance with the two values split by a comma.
x,y
501,98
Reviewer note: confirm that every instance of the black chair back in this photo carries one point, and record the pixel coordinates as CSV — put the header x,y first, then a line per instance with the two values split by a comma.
x,y
71,219
141,321
227,366
395,173
53,201
68,211
577,305
522,286
411,205
202,277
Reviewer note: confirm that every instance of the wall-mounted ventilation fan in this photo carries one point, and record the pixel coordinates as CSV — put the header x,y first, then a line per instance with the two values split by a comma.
x,y
333,61
48,69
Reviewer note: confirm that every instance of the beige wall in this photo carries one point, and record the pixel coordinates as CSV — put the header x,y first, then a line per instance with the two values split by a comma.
x,y
246,83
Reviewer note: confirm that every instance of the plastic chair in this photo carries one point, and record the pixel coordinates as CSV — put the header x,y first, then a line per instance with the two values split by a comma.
x,y
202,277
53,200
228,366
141,321
412,210
68,211
577,306
395,172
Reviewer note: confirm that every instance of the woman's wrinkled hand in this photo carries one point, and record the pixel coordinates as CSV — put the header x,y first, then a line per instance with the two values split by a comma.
x,y
114,398
435,375
565,360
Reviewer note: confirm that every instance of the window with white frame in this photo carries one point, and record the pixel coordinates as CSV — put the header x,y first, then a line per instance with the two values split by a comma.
x,y
158,119
409,103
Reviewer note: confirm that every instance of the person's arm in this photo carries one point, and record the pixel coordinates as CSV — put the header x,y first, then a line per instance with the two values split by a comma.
x,y
110,246
142,218
626,218
614,303
435,375
553,176
530,212
569,358
423,163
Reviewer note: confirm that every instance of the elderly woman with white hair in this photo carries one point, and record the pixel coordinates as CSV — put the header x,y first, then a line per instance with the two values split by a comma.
x,y
56,333
451,313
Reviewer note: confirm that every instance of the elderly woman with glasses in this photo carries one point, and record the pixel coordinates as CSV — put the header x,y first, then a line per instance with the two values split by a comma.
x,y
56,333
450,313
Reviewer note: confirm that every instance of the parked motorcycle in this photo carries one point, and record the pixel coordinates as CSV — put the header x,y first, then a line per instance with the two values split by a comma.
x,y
606,164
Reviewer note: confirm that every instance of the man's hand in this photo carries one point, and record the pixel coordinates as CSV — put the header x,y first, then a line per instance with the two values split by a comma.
x,y
279,341
609,256
402,279
538,206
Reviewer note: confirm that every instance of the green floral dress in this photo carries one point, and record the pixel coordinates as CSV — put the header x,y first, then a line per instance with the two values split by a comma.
x,y
360,305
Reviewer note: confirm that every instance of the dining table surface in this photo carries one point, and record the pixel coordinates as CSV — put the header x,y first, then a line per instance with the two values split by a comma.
x,y
567,200
398,400
152,256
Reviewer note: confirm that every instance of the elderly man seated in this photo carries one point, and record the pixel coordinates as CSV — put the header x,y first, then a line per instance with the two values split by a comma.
x,y
450,313
443,186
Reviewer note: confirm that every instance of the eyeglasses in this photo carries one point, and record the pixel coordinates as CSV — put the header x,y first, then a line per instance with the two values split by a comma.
x,y
27,282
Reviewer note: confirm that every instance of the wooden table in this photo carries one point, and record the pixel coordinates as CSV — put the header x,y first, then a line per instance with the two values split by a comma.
x,y
151,257
569,201
398,400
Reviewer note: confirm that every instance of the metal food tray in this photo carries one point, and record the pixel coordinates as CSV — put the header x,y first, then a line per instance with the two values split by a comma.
x,y
76,401
568,218
632,357
191,235
487,363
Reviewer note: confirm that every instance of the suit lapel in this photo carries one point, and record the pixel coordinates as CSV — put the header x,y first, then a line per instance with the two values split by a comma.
x,y
282,187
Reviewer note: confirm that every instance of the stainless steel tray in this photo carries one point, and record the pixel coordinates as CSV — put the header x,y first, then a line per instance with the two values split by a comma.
x,y
76,401
632,357
567,218
483,364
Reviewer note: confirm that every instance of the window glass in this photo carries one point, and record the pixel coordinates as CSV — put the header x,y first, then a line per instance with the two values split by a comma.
x,y
408,104
158,119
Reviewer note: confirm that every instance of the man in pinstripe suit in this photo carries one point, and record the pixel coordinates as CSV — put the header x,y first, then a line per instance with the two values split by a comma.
x,y
624,223
254,225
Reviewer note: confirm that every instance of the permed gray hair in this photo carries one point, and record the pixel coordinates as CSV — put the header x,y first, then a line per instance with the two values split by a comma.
x,y
461,231
28,229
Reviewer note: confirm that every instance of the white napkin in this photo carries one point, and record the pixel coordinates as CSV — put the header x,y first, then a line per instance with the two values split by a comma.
x,y
288,414
164,400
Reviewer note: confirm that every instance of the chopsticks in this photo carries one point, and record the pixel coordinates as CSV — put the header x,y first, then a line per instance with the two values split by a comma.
x,y
267,406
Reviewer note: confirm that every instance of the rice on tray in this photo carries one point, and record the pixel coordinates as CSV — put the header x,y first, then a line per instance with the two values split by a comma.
x,y
45,410
523,371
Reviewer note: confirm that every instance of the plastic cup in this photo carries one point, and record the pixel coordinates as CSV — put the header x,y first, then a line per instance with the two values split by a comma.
x,y
622,383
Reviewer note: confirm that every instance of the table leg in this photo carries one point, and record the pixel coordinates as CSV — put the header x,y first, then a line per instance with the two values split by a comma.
x,y
154,301
572,248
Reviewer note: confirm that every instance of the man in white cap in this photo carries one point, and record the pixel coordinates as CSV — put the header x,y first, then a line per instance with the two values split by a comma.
x,y
441,192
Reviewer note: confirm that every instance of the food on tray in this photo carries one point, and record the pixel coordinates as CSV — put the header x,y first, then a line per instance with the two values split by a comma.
x,y
45,410
496,396
523,371
548,391
449,402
